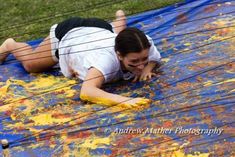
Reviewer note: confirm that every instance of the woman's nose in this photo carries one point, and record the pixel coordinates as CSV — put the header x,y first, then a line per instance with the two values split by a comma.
x,y
141,66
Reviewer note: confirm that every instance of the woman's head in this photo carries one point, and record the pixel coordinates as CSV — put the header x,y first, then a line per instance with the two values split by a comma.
x,y
132,48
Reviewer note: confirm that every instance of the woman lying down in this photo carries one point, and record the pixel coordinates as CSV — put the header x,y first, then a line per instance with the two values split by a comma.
x,y
96,52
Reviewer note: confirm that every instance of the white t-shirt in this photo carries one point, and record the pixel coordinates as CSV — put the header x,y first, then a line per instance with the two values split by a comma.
x,y
85,47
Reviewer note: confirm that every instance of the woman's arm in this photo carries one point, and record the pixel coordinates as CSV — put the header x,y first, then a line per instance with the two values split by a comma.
x,y
91,91
147,72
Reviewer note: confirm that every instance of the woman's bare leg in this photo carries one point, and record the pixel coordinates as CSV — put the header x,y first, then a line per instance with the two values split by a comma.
x,y
37,60
120,22
3,51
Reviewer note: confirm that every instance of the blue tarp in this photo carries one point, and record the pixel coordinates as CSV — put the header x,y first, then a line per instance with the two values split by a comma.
x,y
192,110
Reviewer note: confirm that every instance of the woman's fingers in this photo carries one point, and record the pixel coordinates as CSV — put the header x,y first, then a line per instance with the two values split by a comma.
x,y
136,78
147,76
136,104
154,74
143,101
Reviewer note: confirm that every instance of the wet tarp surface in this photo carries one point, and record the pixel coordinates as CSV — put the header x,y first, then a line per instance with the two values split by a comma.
x,y
192,110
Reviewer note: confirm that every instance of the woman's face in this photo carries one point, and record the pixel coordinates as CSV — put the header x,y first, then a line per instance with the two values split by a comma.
x,y
135,62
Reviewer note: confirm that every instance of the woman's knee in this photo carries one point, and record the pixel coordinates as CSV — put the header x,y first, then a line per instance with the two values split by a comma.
x,y
34,67
31,67
10,44
28,67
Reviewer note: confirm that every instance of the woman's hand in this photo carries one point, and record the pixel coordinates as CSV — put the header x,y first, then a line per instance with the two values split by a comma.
x,y
91,91
146,73
144,76
135,103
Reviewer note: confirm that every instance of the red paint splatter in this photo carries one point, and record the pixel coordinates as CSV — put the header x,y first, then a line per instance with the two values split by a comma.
x,y
8,113
181,18
210,9
167,124
60,115
83,134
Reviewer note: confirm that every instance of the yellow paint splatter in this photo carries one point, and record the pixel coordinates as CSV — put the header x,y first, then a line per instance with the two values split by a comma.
x,y
47,119
16,125
165,59
177,151
4,89
226,81
34,130
232,91
63,136
40,85
180,153
49,83
119,116
187,44
94,143
209,83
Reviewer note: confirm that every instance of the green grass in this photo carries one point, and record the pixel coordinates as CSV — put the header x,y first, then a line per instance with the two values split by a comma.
x,y
31,19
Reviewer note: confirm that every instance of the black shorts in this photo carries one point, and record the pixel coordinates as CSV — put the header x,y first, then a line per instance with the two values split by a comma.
x,y
65,26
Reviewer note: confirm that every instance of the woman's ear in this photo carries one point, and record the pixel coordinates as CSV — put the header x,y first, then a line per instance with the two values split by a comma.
x,y
119,56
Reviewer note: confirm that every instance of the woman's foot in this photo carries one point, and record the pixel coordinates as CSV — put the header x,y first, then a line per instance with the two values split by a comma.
x,y
4,49
120,22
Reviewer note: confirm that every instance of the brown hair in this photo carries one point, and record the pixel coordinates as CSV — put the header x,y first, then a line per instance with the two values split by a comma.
x,y
131,40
